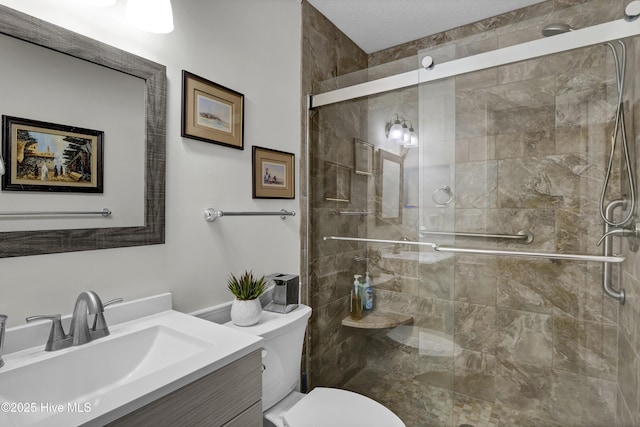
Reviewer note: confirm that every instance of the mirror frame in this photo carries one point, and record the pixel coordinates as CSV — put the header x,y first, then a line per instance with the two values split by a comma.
x,y
22,243
382,156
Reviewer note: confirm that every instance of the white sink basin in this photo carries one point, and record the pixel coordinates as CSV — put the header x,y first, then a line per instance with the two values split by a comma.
x,y
98,382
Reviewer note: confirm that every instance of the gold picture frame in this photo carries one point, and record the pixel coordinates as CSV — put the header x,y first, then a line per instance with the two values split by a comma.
x,y
211,112
273,174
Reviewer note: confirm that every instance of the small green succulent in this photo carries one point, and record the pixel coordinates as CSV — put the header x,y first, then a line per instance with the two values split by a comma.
x,y
246,287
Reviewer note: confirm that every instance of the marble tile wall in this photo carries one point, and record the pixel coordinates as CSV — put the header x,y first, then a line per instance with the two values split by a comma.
x,y
332,353
534,342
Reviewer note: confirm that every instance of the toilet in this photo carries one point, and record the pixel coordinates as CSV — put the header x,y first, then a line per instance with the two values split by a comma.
x,y
282,404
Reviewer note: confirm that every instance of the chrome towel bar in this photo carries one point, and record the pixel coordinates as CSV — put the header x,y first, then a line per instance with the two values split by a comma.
x,y
352,213
104,212
211,214
475,251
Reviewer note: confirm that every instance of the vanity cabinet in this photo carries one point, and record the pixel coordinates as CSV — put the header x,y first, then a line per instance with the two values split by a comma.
x,y
228,397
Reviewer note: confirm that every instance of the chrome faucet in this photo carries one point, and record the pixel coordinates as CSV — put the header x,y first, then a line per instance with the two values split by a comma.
x,y
3,322
88,302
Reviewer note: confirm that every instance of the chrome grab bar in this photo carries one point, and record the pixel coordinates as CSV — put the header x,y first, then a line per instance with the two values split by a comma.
x,y
473,251
525,235
352,213
104,212
211,214
606,271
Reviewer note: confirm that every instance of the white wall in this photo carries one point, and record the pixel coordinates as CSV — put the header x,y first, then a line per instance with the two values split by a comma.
x,y
251,46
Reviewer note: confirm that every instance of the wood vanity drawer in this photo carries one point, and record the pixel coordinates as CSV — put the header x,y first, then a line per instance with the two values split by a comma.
x,y
211,401
252,417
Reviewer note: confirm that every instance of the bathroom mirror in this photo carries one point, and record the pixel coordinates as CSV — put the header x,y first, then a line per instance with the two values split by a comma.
x,y
389,187
20,243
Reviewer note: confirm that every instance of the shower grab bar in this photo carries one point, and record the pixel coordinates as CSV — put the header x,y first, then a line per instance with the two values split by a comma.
x,y
608,249
525,235
473,251
352,213
104,212
211,214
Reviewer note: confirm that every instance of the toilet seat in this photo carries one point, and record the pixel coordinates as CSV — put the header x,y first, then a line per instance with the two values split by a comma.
x,y
324,407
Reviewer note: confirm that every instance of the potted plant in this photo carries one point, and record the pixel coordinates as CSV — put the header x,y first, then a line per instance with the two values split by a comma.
x,y
246,308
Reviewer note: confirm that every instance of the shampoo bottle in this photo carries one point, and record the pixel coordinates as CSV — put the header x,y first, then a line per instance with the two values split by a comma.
x,y
367,296
356,300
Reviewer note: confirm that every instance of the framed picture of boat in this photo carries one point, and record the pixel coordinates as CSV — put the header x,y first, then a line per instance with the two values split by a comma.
x,y
51,157
273,174
211,112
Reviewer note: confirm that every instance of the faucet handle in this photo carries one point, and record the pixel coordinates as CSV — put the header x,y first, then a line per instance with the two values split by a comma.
x,y
632,232
3,321
56,335
98,321
113,301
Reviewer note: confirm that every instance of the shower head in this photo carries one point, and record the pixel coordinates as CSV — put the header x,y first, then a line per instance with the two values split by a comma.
x,y
555,29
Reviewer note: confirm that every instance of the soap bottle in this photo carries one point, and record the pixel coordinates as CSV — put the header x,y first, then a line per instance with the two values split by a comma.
x,y
367,296
356,300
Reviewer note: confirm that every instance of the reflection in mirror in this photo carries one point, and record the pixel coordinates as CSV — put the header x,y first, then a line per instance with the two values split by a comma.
x,y
152,161
389,188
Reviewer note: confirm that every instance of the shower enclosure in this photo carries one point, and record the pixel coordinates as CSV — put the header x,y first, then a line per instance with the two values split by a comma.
x,y
469,325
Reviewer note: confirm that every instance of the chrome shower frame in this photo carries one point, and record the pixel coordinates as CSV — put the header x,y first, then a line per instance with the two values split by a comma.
x,y
589,36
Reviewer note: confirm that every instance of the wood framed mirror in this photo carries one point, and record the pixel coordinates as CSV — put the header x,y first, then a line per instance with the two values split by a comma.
x,y
34,242
389,188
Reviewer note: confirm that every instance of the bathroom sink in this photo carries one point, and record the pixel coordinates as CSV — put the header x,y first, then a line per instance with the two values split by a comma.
x,y
98,382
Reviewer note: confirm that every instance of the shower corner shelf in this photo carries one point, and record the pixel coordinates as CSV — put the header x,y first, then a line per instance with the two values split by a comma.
x,y
378,319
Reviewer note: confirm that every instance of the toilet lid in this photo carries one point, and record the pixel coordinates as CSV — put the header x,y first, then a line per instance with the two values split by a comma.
x,y
324,407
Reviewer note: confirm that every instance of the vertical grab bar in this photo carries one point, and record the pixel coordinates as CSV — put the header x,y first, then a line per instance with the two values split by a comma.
x,y
606,272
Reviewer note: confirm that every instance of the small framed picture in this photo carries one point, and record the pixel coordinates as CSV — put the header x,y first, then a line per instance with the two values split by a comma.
x,y
212,113
337,182
273,174
43,156
363,157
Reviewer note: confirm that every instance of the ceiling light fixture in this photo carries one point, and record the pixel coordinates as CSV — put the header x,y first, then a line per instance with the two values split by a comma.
x,y
154,16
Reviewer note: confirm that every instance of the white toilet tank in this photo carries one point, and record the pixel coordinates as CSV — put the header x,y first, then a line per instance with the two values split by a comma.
x,y
283,337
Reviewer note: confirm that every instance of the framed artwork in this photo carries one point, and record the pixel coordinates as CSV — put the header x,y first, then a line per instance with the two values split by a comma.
x,y
337,182
43,156
273,174
362,157
212,113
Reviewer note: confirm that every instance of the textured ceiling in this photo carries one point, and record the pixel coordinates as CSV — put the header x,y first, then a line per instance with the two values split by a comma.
x,y
378,24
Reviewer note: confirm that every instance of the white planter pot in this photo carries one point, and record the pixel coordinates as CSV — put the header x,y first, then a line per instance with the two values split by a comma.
x,y
246,313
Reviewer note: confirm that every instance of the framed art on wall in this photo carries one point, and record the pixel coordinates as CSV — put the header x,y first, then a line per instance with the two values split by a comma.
x,y
273,174
43,156
211,112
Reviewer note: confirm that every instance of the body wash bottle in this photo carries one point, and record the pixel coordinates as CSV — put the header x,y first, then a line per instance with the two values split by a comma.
x,y
367,296
356,300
